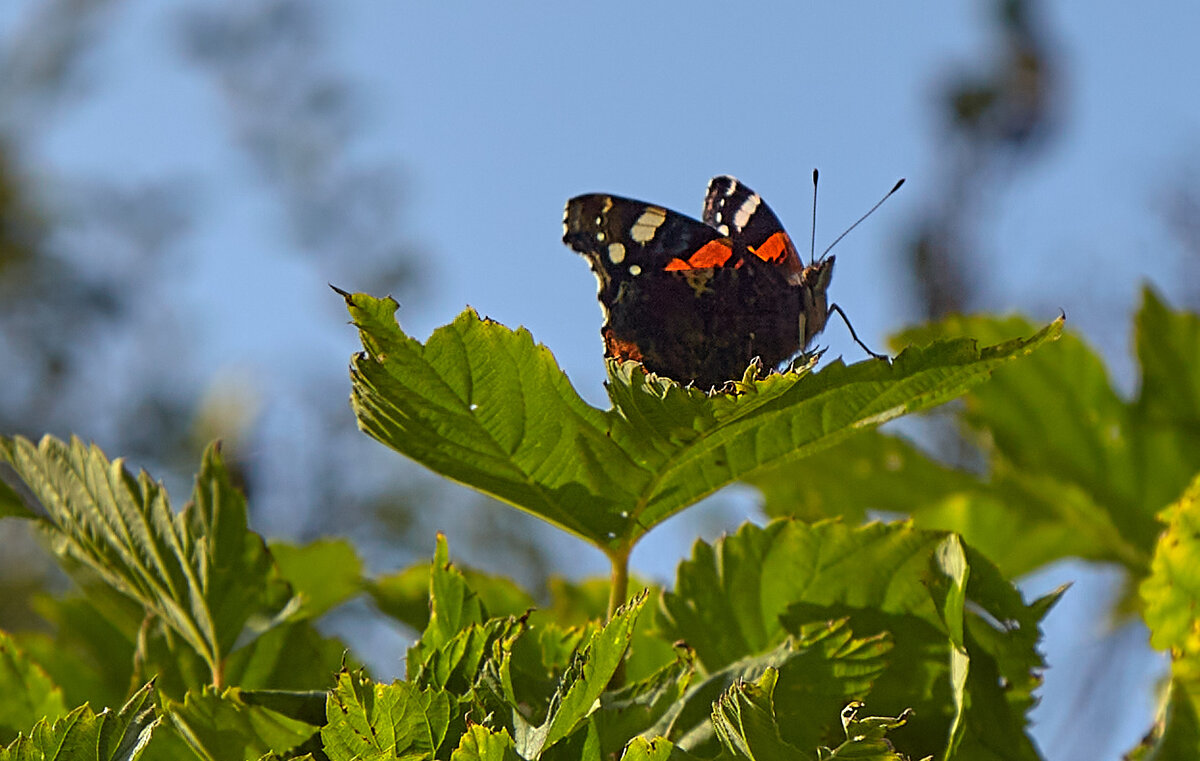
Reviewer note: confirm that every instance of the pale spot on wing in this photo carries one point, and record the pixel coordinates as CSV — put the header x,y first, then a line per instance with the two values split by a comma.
x,y
745,211
635,270
646,225
616,253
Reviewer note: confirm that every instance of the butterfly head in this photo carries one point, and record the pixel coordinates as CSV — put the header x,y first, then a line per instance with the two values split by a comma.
x,y
814,294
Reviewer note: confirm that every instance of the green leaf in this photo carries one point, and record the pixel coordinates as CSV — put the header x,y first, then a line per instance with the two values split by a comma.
x,y
484,406
288,656
201,571
88,655
324,573
1176,734
584,682
1096,464
11,504
728,598
871,471
27,694
83,735
453,607
959,630
575,603
657,749
377,721
636,707
866,737
820,668
1168,345
744,719
219,726
306,706
404,595
1171,592
481,744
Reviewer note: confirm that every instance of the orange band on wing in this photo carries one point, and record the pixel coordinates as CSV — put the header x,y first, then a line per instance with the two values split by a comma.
x,y
619,348
712,254
775,248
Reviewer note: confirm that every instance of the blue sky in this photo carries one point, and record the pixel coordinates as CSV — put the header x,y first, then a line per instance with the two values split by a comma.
x,y
497,113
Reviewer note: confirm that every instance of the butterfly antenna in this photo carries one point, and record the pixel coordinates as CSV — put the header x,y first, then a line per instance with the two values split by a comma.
x,y
812,245
864,216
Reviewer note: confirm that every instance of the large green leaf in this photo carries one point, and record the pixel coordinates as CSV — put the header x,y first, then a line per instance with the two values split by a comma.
x,y
1168,345
585,680
369,721
958,630
323,574
201,571
84,735
1018,518
1072,468
1070,458
485,406
219,726
27,694
744,719
821,666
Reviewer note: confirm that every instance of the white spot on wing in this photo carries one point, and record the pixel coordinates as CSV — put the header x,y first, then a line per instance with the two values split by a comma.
x,y
600,235
646,225
635,270
745,211
723,229
733,186
616,253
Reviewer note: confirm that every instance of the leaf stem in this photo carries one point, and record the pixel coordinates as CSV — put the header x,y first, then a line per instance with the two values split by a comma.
x,y
619,580
618,591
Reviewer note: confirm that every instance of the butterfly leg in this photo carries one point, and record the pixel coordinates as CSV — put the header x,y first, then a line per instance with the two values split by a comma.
x,y
857,340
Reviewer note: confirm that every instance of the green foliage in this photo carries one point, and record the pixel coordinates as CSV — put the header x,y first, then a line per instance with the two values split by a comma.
x,y
83,735
487,407
369,721
199,572
1072,469
767,645
26,693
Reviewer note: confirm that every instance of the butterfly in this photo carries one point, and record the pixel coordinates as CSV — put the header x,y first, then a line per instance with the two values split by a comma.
x,y
699,300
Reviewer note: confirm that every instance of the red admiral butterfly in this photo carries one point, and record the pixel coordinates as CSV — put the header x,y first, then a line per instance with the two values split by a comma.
x,y
697,301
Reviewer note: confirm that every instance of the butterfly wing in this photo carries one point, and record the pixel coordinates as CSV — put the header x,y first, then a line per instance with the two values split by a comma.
x,y
733,209
624,240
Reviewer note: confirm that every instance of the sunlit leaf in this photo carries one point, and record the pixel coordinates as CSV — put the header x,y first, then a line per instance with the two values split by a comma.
x,y
958,629
367,720
83,735
583,683
481,744
485,406
1171,593
201,571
